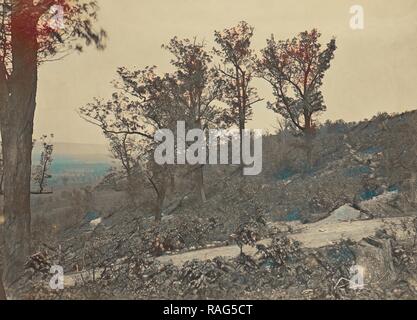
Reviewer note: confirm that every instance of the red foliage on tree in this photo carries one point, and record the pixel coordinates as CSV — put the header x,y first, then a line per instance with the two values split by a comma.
x,y
295,68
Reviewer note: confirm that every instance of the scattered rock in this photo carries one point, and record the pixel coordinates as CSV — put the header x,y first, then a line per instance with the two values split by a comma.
x,y
375,256
94,223
343,213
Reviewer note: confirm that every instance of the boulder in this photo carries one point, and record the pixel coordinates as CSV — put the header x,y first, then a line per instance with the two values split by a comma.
x,y
94,223
375,257
343,213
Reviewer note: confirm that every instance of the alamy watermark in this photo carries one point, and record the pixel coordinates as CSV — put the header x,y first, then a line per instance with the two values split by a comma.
x,y
357,21
57,280
357,274
210,147
56,21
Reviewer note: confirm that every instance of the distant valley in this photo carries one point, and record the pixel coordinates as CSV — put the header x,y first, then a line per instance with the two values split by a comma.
x,y
76,164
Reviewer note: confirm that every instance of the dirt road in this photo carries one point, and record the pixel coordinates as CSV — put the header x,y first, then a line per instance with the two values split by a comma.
x,y
314,235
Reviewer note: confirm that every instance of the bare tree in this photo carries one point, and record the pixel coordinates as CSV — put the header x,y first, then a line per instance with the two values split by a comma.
x,y
295,68
238,71
29,35
143,103
158,176
41,173
126,150
123,148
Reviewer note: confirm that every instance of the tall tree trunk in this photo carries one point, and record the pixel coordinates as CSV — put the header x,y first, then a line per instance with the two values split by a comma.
x,y
171,183
159,205
131,191
308,138
158,182
16,130
241,113
200,183
413,191
242,118
198,172
309,150
160,198
2,291
1,181
17,148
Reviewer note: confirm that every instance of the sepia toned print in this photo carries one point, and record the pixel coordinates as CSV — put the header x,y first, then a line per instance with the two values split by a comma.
x,y
198,150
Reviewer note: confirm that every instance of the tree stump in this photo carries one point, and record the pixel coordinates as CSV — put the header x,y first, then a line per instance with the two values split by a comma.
x,y
374,255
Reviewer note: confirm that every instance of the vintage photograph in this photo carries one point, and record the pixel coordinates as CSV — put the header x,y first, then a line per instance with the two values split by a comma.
x,y
184,150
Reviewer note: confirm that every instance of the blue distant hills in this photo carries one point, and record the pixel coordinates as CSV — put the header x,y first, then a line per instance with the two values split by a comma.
x,y
76,164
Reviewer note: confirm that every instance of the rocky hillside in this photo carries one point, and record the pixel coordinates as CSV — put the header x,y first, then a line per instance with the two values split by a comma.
x,y
367,166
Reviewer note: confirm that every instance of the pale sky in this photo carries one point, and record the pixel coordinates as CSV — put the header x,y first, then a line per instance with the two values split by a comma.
x,y
374,69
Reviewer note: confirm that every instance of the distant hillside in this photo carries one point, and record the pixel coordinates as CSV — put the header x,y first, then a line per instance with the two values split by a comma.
x,y
76,164
80,151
